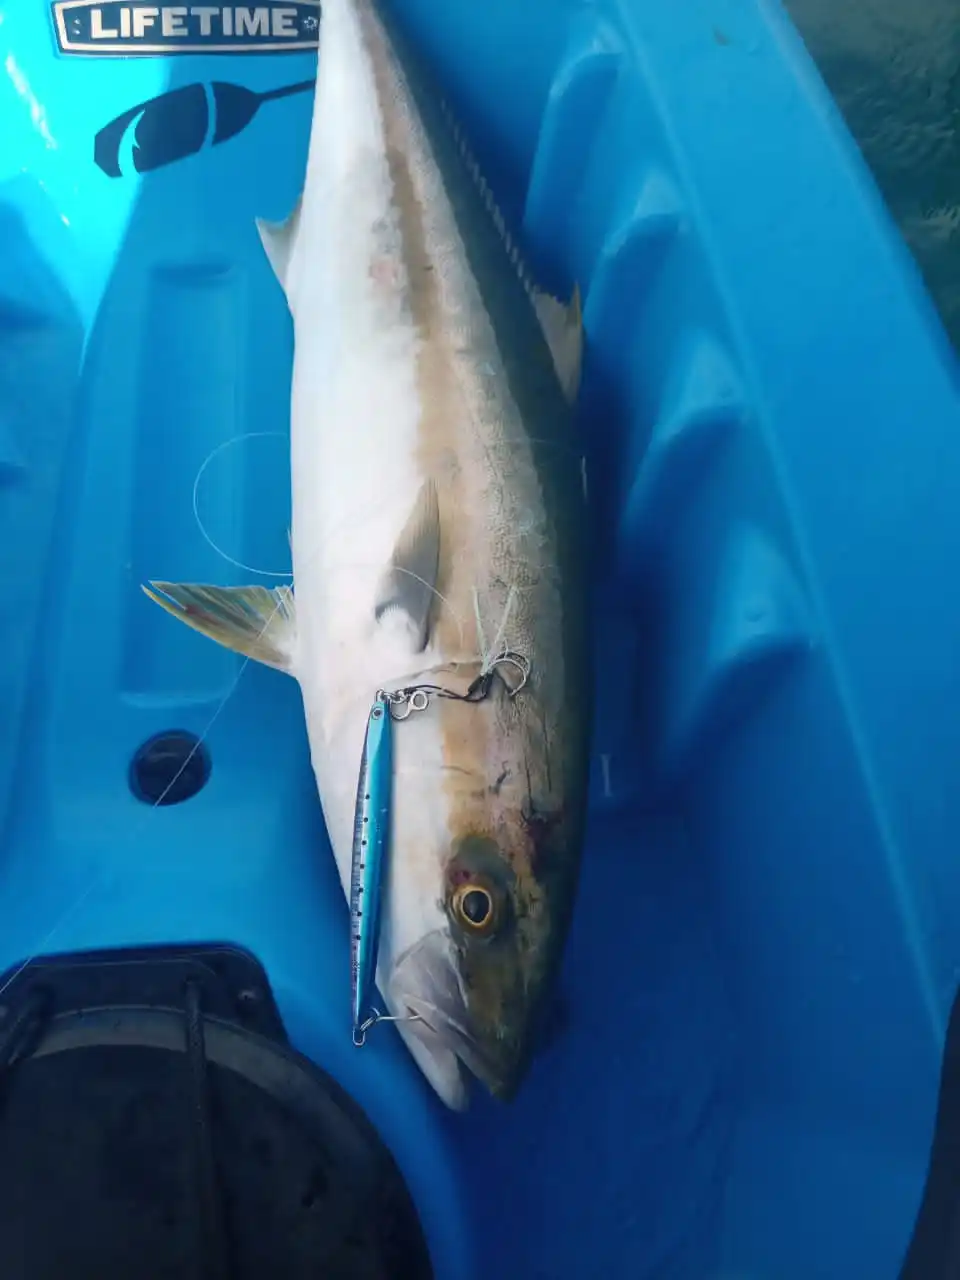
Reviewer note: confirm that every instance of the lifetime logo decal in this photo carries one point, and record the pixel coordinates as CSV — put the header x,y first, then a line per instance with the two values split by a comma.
x,y
98,28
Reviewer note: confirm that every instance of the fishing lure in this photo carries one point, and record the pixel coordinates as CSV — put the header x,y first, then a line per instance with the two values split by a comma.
x,y
371,824
371,836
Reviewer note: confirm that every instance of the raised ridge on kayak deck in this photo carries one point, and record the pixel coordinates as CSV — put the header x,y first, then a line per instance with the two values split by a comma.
x,y
743,1074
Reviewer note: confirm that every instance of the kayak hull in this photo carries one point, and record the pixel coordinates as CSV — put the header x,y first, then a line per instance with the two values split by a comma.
x,y
742,1074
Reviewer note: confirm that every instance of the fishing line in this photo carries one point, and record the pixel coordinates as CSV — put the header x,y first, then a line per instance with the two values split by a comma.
x,y
271,573
490,657
103,875
237,564
457,617
397,704
481,638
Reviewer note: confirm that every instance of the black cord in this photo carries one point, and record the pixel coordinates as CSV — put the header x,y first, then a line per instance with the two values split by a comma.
x,y
478,689
212,1236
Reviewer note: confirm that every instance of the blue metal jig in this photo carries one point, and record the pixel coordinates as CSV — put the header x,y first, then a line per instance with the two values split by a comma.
x,y
371,836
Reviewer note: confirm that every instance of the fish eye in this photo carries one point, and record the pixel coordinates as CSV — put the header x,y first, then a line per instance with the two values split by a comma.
x,y
473,907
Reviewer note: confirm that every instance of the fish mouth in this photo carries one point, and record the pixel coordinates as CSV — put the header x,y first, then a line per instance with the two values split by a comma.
x,y
427,987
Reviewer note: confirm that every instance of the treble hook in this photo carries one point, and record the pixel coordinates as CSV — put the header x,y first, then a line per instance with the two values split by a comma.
x,y
519,662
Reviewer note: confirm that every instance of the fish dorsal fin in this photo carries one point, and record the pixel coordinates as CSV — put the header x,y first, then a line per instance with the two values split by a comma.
x,y
410,581
258,622
278,240
562,323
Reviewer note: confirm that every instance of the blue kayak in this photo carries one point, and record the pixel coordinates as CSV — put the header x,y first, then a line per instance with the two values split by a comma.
x,y
743,1083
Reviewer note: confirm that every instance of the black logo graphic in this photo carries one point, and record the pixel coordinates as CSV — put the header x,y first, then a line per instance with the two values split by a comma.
x,y
118,29
175,124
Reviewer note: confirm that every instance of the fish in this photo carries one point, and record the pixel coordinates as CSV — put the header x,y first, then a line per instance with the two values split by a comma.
x,y
439,519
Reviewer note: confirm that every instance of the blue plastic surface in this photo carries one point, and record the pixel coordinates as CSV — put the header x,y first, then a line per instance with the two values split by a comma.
x,y
767,939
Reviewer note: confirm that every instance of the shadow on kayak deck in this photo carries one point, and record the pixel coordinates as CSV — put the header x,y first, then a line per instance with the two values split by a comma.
x,y
767,937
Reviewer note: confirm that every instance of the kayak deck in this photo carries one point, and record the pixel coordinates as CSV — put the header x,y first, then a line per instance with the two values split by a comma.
x,y
742,1075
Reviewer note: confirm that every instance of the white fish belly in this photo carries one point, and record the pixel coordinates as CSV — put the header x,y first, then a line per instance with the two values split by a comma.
x,y
355,420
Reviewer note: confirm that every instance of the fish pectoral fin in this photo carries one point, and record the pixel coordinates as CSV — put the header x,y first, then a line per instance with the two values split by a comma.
x,y
278,239
258,622
410,581
562,325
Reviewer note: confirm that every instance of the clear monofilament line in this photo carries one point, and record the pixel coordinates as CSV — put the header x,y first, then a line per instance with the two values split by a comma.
x,y
286,573
214,453
101,877
498,648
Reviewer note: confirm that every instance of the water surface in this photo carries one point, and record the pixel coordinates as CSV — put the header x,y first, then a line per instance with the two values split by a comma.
x,y
893,67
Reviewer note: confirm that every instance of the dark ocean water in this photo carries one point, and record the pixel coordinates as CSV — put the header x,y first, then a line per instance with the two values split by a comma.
x,y
893,67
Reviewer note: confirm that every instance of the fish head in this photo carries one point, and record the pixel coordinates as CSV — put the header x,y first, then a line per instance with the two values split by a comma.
x,y
474,987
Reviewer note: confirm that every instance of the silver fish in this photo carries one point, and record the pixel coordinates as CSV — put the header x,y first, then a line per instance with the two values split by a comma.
x,y
439,522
